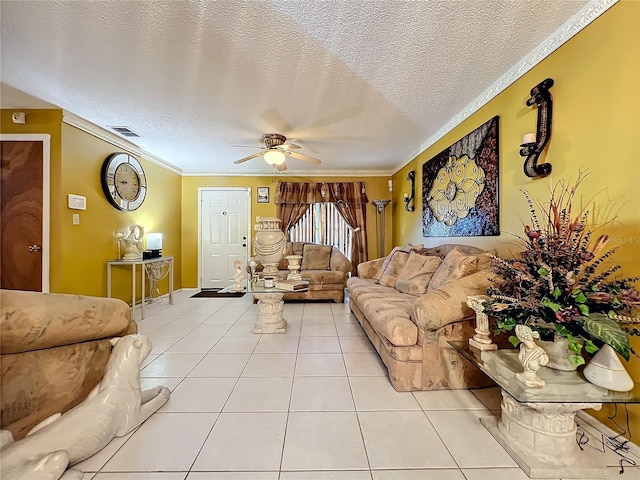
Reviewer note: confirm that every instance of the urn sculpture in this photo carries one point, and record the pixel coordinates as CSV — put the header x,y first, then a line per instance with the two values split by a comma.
x,y
269,243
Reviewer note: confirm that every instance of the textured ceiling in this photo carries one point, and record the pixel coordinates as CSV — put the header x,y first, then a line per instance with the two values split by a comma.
x,y
360,84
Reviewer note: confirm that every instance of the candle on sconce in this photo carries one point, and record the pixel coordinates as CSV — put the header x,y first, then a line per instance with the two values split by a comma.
x,y
405,195
529,138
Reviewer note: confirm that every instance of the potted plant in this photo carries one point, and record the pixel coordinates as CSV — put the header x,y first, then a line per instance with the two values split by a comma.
x,y
562,283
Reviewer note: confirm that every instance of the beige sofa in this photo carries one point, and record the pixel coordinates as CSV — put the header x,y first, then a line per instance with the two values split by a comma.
x,y
54,349
327,276
411,303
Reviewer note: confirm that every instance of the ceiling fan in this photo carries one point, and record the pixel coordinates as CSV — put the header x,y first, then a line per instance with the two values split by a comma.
x,y
276,150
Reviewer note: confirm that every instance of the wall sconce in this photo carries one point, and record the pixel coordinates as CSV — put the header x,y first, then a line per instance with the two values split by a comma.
x,y
390,183
408,199
532,146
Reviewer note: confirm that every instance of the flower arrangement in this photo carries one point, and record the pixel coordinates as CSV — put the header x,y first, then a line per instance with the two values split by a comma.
x,y
561,284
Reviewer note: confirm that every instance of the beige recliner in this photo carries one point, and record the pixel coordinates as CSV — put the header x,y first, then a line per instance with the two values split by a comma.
x,y
53,351
324,283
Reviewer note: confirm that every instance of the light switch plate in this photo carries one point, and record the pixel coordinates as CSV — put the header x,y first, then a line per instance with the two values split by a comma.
x,y
76,219
77,202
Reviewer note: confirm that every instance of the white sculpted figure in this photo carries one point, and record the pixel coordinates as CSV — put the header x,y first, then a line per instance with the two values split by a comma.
x,y
531,356
114,408
239,276
131,242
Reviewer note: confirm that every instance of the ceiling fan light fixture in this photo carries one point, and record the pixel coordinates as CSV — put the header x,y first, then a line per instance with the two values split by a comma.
x,y
274,156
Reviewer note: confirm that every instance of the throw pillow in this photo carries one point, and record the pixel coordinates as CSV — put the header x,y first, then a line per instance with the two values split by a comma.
x,y
387,261
390,273
455,265
414,278
316,257
485,259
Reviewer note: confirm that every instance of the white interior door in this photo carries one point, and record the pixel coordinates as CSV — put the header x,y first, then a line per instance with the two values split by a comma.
x,y
224,234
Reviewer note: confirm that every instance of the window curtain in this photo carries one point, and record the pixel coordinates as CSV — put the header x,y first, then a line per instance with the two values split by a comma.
x,y
293,200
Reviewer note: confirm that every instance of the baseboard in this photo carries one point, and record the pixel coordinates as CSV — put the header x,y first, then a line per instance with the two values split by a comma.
x,y
604,429
164,296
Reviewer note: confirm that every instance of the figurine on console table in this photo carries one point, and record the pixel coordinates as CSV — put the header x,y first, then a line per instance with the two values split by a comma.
x,y
531,356
131,242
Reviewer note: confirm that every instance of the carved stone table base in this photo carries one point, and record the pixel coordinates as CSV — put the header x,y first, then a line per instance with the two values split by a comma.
x,y
541,438
270,318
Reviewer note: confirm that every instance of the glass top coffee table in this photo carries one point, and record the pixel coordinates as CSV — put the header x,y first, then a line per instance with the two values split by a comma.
x,y
537,424
270,305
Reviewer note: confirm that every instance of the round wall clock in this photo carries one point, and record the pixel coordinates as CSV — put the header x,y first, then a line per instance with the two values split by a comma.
x,y
123,181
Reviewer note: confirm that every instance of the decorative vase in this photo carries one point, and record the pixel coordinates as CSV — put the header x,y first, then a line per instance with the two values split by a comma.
x,y
269,244
294,267
558,352
606,370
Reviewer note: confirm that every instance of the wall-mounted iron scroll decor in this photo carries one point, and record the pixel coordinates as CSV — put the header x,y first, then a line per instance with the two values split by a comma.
x,y
541,96
408,197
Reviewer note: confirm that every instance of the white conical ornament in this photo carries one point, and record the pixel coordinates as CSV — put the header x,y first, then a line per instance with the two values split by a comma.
x,y
606,370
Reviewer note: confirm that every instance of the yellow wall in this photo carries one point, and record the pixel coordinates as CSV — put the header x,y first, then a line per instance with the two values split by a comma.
x,y
88,246
596,126
376,188
78,252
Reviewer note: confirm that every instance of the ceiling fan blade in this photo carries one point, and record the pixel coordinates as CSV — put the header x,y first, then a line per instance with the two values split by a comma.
x,y
282,167
242,160
302,156
245,146
274,118
290,146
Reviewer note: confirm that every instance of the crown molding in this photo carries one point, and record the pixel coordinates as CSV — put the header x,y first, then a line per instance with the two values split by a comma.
x,y
567,30
116,140
291,173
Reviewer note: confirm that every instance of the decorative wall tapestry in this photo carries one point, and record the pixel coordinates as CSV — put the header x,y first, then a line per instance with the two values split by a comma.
x,y
460,187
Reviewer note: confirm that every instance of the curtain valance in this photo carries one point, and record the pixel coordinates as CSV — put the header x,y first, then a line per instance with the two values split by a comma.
x,y
309,192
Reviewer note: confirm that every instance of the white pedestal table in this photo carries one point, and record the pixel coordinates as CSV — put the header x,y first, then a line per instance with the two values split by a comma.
x,y
537,424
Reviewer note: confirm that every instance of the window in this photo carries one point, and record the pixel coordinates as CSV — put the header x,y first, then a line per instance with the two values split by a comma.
x,y
322,223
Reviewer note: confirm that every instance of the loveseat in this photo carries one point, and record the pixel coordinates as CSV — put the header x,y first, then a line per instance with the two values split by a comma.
x,y
412,302
323,266
53,351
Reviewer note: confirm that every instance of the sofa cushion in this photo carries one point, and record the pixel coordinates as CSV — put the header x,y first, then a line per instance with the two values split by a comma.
x,y
316,257
406,250
448,303
415,276
357,286
387,310
34,321
318,278
389,315
393,269
454,266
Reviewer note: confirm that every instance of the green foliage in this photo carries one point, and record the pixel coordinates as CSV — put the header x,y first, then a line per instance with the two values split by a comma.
x,y
577,360
608,331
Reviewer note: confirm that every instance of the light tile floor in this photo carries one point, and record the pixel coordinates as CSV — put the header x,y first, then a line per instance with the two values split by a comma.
x,y
314,403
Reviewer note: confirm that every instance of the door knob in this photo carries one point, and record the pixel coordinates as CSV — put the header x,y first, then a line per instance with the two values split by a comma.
x,y
244,244
34,248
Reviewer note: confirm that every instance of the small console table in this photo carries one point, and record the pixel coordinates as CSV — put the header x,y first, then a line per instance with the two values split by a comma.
x,y
142,263
537,424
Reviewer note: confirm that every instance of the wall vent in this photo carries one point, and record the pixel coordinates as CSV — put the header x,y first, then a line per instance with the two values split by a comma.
x,y
124,131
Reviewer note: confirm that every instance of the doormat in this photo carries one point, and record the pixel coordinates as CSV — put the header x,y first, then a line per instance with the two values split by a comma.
x,y
213,293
